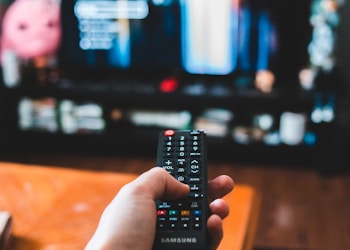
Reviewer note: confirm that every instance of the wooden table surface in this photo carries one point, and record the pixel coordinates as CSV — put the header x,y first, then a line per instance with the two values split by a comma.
x,y
59,208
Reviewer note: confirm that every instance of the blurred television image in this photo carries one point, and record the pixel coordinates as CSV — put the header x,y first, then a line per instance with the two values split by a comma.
x,y
188,39
271,66
28,42
272,43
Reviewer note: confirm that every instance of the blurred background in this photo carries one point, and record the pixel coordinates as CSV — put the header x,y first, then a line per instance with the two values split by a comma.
x,y
261,77
91,83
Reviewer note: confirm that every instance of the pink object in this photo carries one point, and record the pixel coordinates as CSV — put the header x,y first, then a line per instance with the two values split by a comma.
x,y
31,28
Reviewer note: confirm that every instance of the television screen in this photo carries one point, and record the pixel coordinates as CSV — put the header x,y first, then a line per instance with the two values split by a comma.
x,y
270,43
188,47
187,38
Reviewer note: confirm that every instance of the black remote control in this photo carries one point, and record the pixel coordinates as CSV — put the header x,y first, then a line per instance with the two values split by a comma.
x,y
182,224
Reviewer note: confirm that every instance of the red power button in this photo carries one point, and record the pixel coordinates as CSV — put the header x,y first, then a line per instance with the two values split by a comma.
x,y
169,132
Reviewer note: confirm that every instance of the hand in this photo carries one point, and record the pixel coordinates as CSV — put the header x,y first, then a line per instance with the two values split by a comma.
x,y
129,221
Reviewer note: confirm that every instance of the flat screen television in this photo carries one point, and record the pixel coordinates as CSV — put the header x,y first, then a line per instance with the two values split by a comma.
x,y
229,40
191,48
286,43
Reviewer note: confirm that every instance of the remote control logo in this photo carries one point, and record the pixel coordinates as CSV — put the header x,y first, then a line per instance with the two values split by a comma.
x,y
179,240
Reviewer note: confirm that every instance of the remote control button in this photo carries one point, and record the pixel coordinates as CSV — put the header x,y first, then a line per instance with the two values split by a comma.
x,y
161,213
173,212
185,212
172,225
195,154
194,168
195,188
185,226
197,219
197,226
195,195
192,180
169,132
181,149
182,138
181,170
181,143
181,178
197,213
169,166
